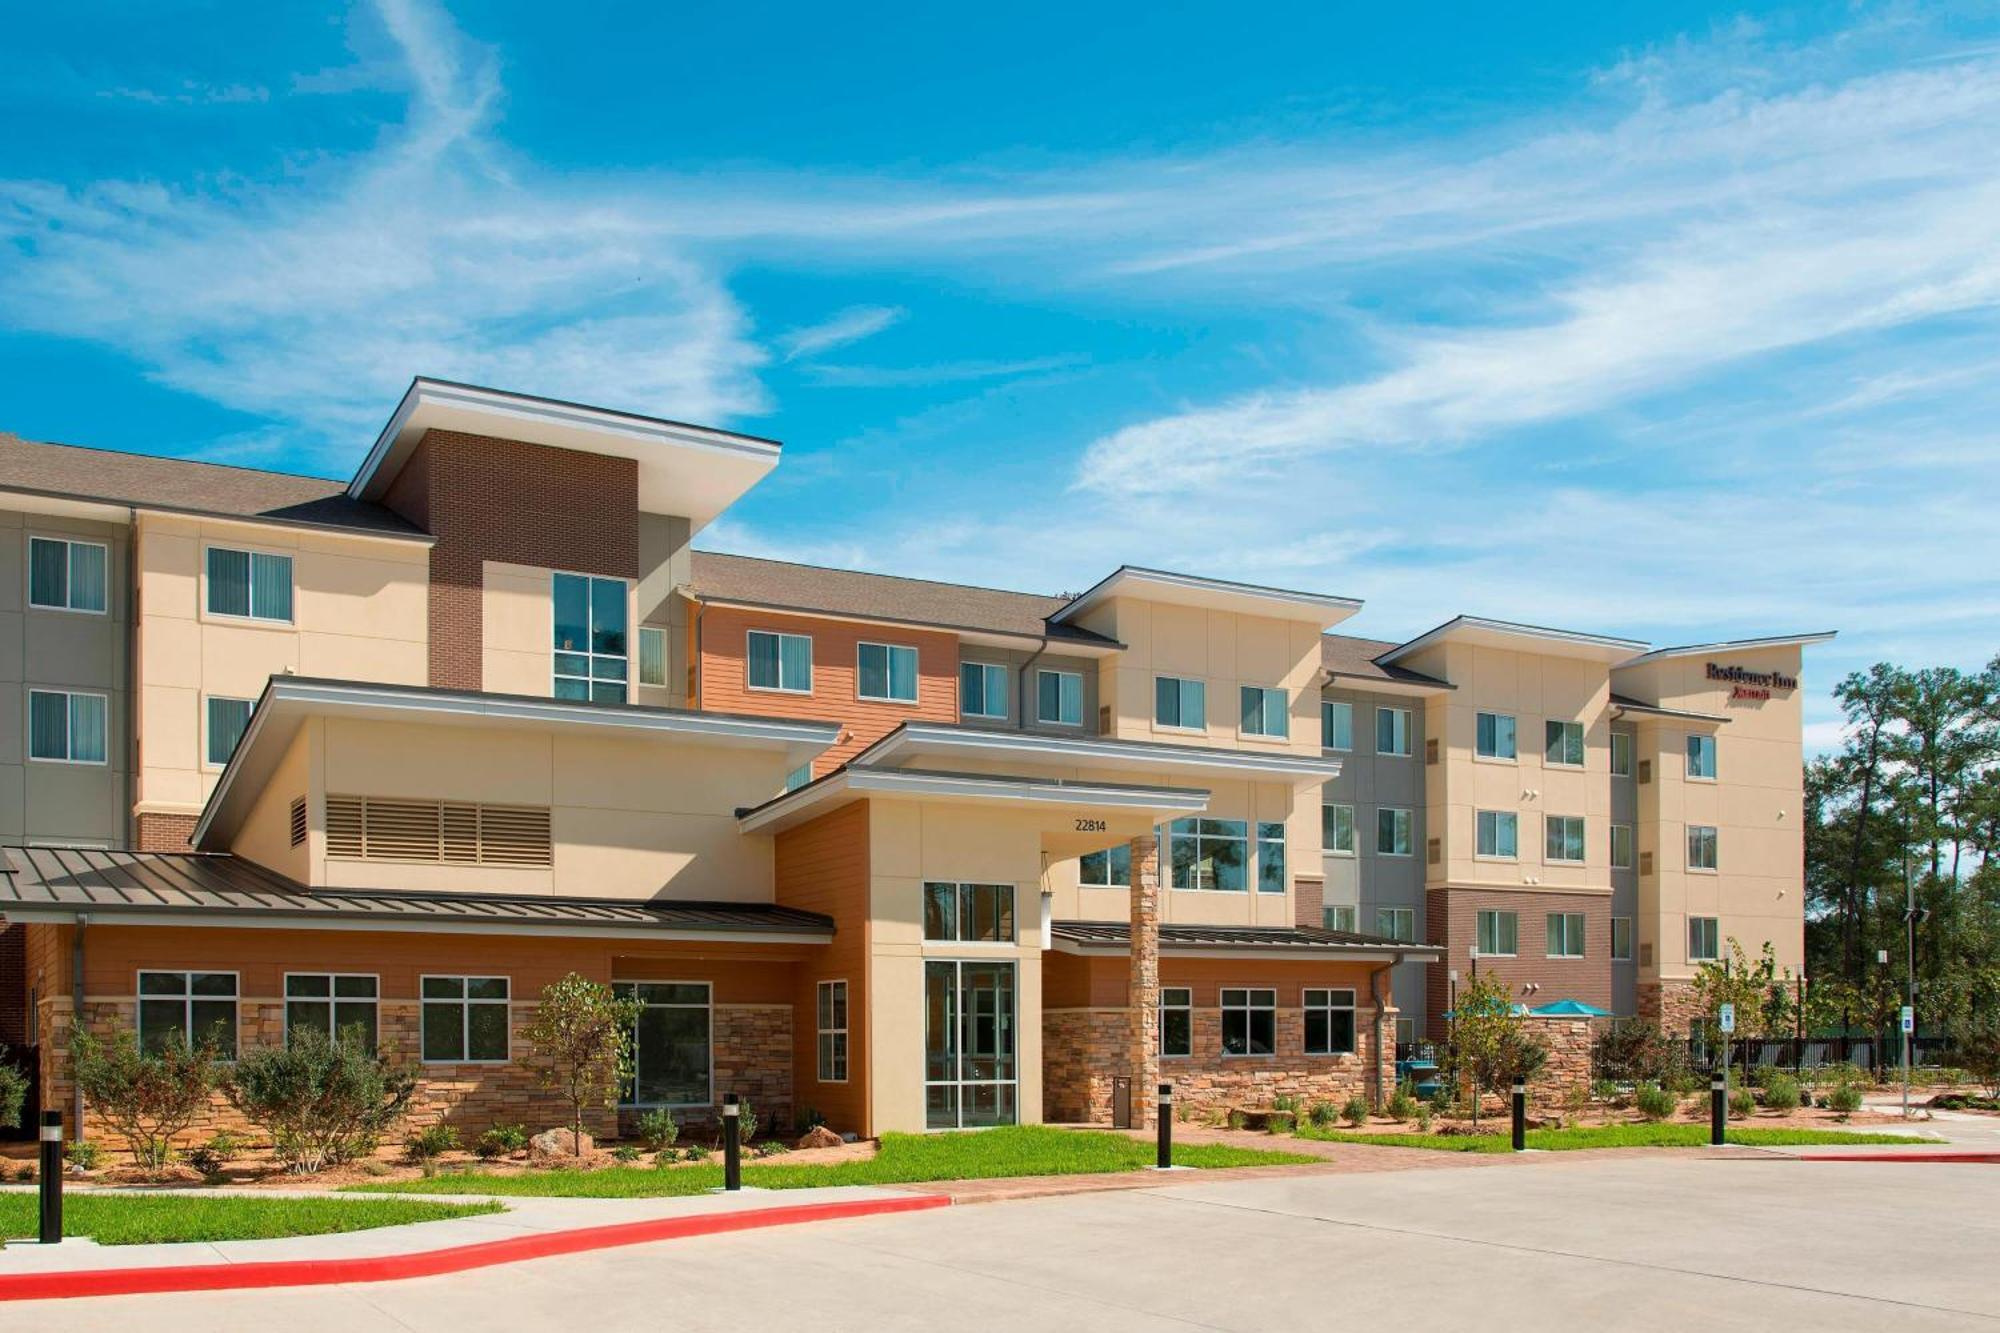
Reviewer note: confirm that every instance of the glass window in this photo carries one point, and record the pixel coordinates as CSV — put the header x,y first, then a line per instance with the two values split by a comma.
x,y
886,672
799,776
1176,1020
1392,832
1336,829
590,640
253,584
1565,934
1396,923
981,913
1701,757
1059,697
1495,735
1249,1022
1392,731
1336,724
1704,939
334,1004
1498,833
672,1062
652,655
1108,869
1621,939
1210,854
982,689
1180,703
1329,1023
833,1032
1565,744
1265,712
1563,838
1270,858
465,1020
1621,846
188,1009
1701,847
779,661
1621,754
66,575
227,719
1340,916
1499,933
66,727
970,1065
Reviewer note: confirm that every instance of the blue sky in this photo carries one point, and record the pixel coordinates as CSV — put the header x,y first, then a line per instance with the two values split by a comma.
x,y
1663,320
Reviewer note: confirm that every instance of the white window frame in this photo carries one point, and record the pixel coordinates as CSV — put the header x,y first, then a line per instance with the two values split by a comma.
x,y
824,1048
1353,833
187,998
464,1004
1513,755
69,545
889,672
1249,1006
1351,913
251,618
1582,924
1045,720
286,999
1497,915
1709,745
1622,741
1549,823
1618,956
69,728
983,667
1408,731
1407,825
1714,841
1569,729
1715,947
207,727
1329,1005
1631,845
1326,709
589,654
1264,697
1479,818
1185,1005
651,634
1180,699
1402,925
708,989
781,687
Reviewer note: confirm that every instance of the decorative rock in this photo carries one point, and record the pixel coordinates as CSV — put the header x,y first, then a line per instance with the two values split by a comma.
x,y
553,1143
819,1136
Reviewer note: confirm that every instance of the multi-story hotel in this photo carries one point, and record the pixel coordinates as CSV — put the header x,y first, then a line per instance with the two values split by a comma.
x,y
278,752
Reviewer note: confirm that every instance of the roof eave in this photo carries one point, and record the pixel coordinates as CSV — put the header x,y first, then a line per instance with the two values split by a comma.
x,y
1734,646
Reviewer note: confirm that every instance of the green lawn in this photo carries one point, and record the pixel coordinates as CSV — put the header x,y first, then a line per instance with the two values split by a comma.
x,y
1019,1150
1603,1136
145,1219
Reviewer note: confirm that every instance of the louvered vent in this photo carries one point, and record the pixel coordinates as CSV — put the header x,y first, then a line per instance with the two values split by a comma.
x,y
298,820
1434,850
1645,863
1430,752
514,836
343,827
1645,771
452,833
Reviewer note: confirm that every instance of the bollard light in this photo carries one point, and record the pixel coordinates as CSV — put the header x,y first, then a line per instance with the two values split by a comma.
x,y
52,1178
1520,1115
732,1142
1165,1156
1718,1108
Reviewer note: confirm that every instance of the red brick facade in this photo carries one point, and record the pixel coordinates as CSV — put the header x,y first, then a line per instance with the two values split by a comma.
x,y
165,833
1452,916
13,986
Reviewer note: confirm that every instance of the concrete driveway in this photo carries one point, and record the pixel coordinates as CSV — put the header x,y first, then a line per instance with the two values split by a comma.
x,y
1652,1242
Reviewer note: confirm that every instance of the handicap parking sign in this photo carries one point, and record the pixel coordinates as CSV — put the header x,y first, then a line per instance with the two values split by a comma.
x,y
1729,1018
1909,1019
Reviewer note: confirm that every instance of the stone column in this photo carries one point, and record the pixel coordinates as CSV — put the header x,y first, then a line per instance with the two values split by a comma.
x,y
1142,1056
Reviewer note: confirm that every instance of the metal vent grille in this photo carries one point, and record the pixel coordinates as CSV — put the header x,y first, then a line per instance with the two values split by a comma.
x,y
298,824
361,828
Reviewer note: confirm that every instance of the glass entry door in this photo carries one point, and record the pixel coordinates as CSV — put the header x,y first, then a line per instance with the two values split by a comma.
x,y
970,1073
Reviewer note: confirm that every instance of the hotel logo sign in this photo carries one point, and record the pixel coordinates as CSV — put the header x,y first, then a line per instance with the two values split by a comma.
x,y
1751,684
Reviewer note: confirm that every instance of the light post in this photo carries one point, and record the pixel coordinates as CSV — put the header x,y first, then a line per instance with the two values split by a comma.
x,y
1912,915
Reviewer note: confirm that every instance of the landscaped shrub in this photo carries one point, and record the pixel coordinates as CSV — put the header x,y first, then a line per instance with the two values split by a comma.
x,y
1654,1102
212,1157
1424,1118
84,1154
580,1045
1782,1093
148,1096
746,1123
625,1152
1355,1112
501,1141
1323,1114
13,1091
1845,1099
323,1099
659,1130
1742,1103
430,1143
1401,1106
1636,1052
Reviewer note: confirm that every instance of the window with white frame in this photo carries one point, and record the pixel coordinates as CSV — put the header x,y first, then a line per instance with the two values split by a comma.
x,y
1621,939
1059,698
464,1020
1210,854
833,1032
1701,758
1392,831
1329,1021
781,662
1621,846
886,672
1176,1021
1339,916
1563,838
977,913
1498,834
591,644
1270,857
1564,746
1266,712
672,1050
982,689
1336,724
1701,847
254,585
227,719
67,726
67,575
1493,736
333,1004
1392,731
1108,869
1336,829
1566,935
1396,923
187,1010
652,655
1704,939
1180,702
1249,1021
1621,754
1499,933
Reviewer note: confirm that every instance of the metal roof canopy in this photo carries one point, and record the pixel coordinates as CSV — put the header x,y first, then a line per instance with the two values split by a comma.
x,y
1115,938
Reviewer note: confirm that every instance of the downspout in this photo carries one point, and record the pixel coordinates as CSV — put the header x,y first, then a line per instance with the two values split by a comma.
x,y
700,610
76,1018
1375,1000
130,674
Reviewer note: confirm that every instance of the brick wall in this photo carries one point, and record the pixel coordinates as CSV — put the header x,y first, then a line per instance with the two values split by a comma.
x,y
1452,920
13,986
1308,901
165,833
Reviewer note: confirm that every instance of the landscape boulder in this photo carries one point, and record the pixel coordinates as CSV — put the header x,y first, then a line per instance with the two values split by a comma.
x,y
819,1136
558,1143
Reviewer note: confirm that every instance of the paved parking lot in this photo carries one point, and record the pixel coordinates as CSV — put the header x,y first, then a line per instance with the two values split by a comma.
x,y
1656,1242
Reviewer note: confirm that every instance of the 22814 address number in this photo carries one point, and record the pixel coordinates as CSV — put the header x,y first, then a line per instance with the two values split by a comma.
x,y
1091,826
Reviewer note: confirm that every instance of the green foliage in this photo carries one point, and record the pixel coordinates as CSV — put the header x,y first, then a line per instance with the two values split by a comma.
x,y
1489,1044
1845,1098
1761,992
212,1157
580,1045
1402,1106
658,1129
501,1141
13,1091
1976,1049
1782,1093
1608,1136
1654,1102
1742,1103
1424,1118
746,1123
1322,1113
84,1154
625,1152
322,1099
147,1096
111,1218
1636,1052
1355,1112
430,1143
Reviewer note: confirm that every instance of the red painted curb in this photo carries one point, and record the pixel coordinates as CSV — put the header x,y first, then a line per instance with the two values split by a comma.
x,y
1991,1157
433,1263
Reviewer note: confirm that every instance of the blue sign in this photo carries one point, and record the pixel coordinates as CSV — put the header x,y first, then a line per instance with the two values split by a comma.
x,y
1729,1018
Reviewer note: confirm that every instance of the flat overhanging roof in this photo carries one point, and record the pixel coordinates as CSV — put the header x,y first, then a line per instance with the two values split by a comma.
x,y
913,740
1159,585
1640,708
850,783
1733,646
1482,632
1114,939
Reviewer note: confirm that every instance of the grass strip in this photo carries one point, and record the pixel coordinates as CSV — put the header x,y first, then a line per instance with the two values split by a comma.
x,y
148,1219
1603,1136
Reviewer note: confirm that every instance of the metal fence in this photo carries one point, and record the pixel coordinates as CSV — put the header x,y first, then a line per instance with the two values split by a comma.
x,y
1866,1052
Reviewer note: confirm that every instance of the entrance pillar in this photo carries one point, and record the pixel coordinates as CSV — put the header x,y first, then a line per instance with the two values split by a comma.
x,y
1142,1056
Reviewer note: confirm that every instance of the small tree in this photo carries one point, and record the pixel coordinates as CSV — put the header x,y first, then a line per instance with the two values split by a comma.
x,y
1761,992
580,1045
1636,1052
1975,1048
322,1099
1490,1044
13,1091
148,1096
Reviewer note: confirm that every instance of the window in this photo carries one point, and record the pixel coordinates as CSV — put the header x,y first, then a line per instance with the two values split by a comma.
x,y
982,689
1701,847
652,655
1704,939
1329,1022
833,1032
1392,731
1565,934
1178,702
66,727
970,1051
1108,869
1701,757
332,1003
1341,916
1621,754
1565,744
1392,832
1621,939
188,1009
1336,725
671,1055
252,584
1499,933
1270,858
1249,1022
799,776
590,648
1336,829
1396,923
1562,838
977,913
360,828
1059,698
1621,846
66,575
1210,854
781,662
1176,1021
227,719
1265,712
1498,833
886,672
465,1020
1494,737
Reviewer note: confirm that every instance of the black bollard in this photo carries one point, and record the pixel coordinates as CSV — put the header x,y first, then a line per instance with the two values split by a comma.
x,y
1520,1116
1718,1108
52,1169
1165,1112
732,1145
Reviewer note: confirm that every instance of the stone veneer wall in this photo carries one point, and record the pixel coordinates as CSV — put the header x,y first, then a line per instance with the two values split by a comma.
x,y
1670,1004
1569,1041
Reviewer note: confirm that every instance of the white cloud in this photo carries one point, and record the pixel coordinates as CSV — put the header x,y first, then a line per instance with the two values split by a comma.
x,y
848,326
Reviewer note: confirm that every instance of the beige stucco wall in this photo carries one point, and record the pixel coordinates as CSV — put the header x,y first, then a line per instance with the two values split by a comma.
x,y
518,635
266,836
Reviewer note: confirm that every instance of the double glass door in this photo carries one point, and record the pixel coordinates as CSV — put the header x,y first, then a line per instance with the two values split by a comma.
x,y
970,1068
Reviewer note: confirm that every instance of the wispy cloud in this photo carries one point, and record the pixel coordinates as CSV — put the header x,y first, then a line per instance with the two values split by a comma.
x,y
948,372
189,93
848,326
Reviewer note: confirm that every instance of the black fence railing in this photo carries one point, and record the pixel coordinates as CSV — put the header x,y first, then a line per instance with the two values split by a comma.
x,y
1866,1052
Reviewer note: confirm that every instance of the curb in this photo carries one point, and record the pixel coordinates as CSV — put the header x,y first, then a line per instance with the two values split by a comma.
x,y
434,1263
1964,1156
